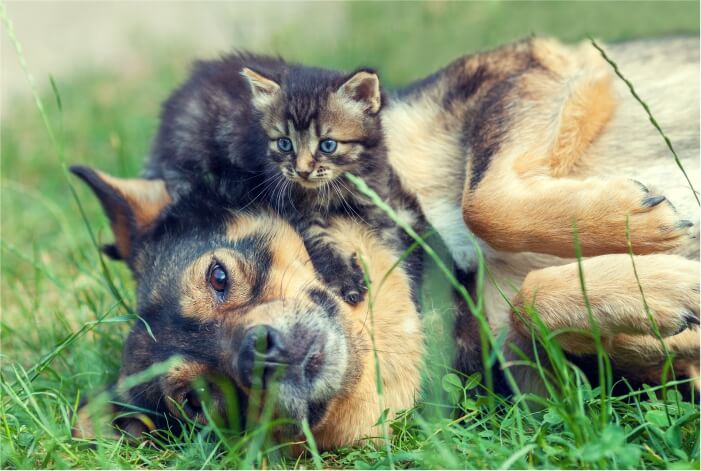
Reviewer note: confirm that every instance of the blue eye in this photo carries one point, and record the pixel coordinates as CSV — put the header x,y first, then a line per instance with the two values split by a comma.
x,y
284,144
328,146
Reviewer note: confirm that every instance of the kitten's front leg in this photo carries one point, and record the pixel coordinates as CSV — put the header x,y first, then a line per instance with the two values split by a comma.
x,y
337,269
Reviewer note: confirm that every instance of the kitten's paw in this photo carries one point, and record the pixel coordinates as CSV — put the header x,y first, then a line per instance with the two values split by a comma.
x,y
353,287
346,278
351,295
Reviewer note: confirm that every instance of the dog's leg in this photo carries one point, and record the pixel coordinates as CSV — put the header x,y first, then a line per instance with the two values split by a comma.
x,y
671,290
534,190
645,356
670,285
542,217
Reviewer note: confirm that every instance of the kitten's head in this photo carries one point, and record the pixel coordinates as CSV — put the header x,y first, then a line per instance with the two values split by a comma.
x,y
320,123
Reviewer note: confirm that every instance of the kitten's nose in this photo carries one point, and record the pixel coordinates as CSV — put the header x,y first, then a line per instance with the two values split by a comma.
x,y
304,165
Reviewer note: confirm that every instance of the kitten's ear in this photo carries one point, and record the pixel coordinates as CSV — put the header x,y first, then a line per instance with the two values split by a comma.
x,y
263,89
363,87
131,204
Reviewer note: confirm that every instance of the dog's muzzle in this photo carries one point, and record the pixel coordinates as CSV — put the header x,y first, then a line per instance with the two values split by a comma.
x,y
266,355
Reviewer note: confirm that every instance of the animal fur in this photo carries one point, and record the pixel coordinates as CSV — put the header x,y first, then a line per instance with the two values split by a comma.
x,y
519,141
224,127
326,346
525,141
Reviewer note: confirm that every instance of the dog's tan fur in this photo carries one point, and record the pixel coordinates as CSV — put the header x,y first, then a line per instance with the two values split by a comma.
x,y
554,139
389,314
597,192
550,185
386,323
669,284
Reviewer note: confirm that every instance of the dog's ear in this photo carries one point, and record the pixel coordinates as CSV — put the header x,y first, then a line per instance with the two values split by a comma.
x,y
107,416
131,204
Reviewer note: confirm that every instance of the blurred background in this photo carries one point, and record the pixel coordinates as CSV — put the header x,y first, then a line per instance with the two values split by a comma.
x,y
113,63
67,38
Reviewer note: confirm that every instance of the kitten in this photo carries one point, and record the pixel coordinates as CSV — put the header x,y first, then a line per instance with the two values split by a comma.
x,y
287,133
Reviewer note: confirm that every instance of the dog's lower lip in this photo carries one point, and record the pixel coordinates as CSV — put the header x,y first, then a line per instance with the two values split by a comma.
x,y
313,365
313,362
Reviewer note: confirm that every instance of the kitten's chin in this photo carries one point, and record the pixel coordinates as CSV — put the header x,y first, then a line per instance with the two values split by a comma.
x,y
310,184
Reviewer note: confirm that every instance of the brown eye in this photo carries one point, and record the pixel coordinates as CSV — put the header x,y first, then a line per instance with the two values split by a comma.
x,y
217,278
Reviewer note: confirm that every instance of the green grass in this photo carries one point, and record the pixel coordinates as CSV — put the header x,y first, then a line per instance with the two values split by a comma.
x,y
64,316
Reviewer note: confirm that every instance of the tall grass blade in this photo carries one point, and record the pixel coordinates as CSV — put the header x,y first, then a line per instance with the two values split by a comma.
x,y
649,115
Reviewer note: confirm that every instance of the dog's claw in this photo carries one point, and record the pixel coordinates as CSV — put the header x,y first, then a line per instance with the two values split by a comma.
x,y
652,201
691,318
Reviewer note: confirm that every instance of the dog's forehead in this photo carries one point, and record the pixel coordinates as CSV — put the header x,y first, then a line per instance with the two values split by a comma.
x,y
180,250
180,238
244,225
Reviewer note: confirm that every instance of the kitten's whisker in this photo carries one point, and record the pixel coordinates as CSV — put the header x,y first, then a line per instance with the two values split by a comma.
x,y
270,182
348,205
320,199
354,211
265,184
281,197
276,196
285,192
273,200
344,204
326,196
267,180
289,198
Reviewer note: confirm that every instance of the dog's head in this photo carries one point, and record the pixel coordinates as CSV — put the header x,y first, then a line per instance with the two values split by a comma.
x,y
234,296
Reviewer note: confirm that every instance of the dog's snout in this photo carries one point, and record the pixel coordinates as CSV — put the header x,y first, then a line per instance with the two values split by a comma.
x,y
262,349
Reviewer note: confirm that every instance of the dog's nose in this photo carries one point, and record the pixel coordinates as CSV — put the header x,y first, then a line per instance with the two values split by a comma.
x,y
262,354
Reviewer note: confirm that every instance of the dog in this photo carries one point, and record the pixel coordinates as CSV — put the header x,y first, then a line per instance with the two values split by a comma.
x,y
232,292
528,142
522,145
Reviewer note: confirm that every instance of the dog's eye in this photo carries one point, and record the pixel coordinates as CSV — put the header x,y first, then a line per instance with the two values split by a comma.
x,y
284,144
328,146
217,278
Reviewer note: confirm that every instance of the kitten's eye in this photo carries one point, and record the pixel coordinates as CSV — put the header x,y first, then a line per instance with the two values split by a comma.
x,y
284,144
217,278
328,146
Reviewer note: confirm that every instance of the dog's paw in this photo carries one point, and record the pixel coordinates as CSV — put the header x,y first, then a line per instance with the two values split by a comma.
x,y
671,291
675,321
685,347
654,223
